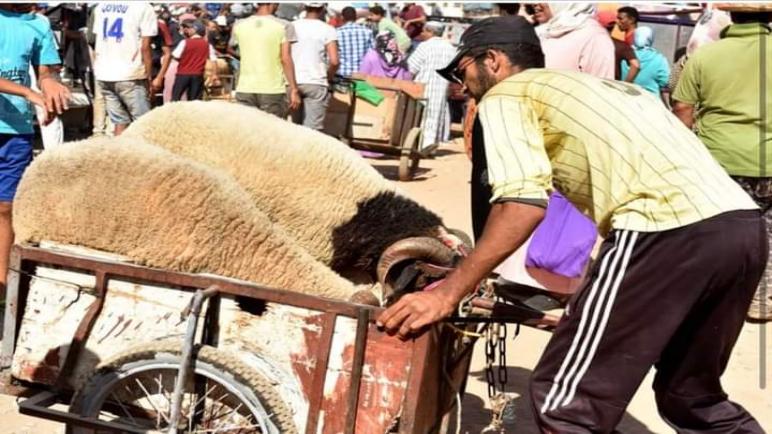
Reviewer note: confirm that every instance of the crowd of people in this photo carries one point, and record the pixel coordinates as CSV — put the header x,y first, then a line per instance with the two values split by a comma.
x,y
561,97
131,54
682,215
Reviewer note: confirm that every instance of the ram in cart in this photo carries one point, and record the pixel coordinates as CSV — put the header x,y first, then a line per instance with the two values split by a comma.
x,y
100,326
120,236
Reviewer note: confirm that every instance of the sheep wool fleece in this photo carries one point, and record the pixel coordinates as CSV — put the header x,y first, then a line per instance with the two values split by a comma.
x,y
123,196
315,187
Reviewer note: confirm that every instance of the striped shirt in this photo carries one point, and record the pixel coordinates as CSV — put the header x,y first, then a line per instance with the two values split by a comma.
x,y
612,148
353,42
428,57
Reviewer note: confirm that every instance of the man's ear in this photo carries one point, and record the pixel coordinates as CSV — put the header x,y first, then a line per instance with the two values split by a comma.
x,y
494,60
501,65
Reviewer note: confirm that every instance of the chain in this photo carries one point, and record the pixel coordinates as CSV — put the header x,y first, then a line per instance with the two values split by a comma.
x,y
496,352
503,356
502,407
491,342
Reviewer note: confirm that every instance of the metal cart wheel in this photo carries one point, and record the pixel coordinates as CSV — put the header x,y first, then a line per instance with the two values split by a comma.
x,y
408,161
224,395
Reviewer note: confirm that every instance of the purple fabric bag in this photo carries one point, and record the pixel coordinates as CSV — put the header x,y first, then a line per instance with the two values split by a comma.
x,y
563,241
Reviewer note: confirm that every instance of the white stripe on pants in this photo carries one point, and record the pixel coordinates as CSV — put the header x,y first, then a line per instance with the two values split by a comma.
x,y
591,330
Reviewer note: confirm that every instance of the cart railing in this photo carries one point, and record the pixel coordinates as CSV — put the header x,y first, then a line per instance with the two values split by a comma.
x,y
24,259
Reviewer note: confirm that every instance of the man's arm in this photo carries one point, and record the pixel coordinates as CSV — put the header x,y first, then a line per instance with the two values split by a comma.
x,y
417,20
509,225
166,59
148,28
147,57
687,93
233,43
289,73
634,67
46,61
166,56
633,63
333,59
215,77
177,53
684,112
57,95
510,221
9,87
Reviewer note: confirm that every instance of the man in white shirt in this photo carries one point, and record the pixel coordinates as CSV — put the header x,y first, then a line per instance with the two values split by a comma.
x,y
315,54
123,58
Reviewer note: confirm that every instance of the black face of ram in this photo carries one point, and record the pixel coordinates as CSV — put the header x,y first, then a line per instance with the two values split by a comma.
x,y
379,222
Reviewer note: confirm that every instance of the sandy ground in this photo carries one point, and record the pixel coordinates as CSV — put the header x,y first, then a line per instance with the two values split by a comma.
x,y
442,185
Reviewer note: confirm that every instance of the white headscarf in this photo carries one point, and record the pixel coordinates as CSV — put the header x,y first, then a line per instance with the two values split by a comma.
x,y
708,29
566,17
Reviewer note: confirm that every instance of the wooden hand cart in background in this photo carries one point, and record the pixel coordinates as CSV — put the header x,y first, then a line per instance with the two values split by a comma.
x,y
393,127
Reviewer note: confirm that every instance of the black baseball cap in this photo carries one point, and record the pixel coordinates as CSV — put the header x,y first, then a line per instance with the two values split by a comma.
x,y
491,31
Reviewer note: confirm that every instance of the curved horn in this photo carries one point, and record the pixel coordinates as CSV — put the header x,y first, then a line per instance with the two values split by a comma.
x,y
426,248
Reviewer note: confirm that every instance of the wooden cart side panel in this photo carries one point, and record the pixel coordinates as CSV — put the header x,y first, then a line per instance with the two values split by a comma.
x,y
383,384
54,311
279,345
131,314
368,122
282,344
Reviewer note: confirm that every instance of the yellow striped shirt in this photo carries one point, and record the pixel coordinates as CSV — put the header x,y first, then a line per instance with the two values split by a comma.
x,y
610,147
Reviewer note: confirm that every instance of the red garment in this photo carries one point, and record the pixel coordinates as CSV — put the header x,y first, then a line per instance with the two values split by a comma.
x,y
336,21
164,33
194,57
630,37
410,12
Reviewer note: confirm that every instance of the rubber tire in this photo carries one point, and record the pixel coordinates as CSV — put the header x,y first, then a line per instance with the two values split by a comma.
x,y
408,164
253,386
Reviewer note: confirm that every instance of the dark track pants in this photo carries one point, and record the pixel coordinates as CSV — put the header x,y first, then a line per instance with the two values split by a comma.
x,y
676,300
192,84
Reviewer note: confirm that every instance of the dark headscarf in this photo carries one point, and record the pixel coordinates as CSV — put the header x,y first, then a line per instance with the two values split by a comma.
x,y
386,46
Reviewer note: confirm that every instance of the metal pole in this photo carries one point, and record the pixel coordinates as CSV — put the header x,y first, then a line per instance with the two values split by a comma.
x,y
192,312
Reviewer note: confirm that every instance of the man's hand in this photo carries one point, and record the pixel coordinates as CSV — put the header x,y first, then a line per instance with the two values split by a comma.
x,y
294,99
35,98
157,84
684,112
40,101
415,311
56,95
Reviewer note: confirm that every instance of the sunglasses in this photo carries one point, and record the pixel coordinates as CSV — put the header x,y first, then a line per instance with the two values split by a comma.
x,y
459,72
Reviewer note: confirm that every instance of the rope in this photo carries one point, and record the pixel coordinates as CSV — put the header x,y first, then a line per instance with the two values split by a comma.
x,y
51,279
465,332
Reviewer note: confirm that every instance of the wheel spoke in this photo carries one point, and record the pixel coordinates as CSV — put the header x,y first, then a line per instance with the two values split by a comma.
x,y
150,401
192,412
213,411
165,394
120,404
233,410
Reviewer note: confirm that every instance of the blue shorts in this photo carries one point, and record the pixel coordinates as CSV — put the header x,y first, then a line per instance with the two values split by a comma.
x,y
15,156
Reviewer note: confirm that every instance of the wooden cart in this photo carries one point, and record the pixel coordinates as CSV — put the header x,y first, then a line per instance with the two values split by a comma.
x,y
262,359
393,127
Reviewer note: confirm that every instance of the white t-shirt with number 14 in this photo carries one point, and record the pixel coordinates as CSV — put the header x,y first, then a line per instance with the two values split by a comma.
x,y
119,29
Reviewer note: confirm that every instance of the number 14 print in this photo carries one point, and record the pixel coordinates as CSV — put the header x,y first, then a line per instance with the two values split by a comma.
x,y
115,30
